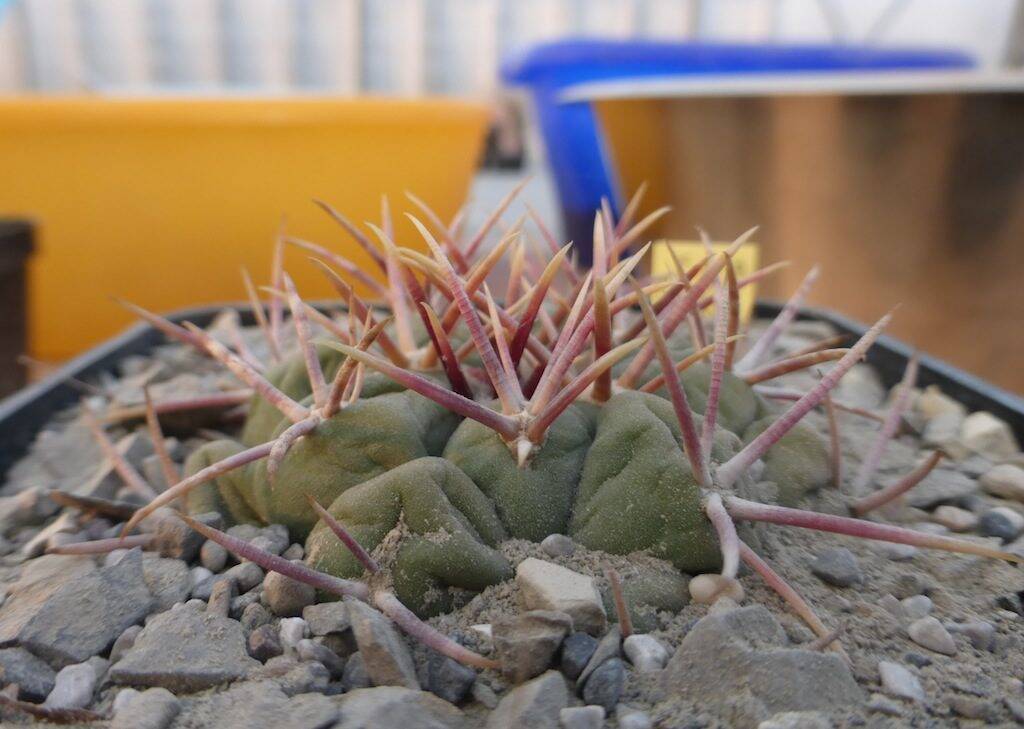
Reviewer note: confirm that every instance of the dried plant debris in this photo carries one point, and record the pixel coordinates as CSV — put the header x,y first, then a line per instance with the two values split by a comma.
x,y
457,492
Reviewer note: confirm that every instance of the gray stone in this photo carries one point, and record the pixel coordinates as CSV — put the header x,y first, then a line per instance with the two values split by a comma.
x,y
73,687
837,566
943,432
173,538
105,482
294,552
354,675
183,650
898,681
246,532
581,717
261,705
386,657
484,694
241,602
246,574
1005,480
287,597
955,519
916,606
403,707
558,545
309,650
213,556
76,615
607,648
536,704
221,596
745,652
204,589
273,538
1001,522
303,677
896,552
124,642
986,434
981,633
797,720
265,643
253,617
882,704
929,633
33,676
448,679
198,575
153,708
941,486
577,651
327,617
124,697
526,643
548,586
292,630
645,652
630,718
604,687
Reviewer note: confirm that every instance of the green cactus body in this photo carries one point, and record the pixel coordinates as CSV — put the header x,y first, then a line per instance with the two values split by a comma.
x,y
452,529
537,499
797,464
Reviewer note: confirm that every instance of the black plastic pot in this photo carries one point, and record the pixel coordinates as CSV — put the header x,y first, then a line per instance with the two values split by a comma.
x,y
16,245
24,414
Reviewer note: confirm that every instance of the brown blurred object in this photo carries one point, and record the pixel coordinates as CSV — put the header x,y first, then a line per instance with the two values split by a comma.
x,y
913,198
16,244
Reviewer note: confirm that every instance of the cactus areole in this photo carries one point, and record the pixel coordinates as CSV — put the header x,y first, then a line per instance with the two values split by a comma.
x,y
407,437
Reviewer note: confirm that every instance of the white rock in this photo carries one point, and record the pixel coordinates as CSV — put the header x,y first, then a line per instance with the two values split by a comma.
x,y
943,432
1004,480
929,633
123,698
558,545
292,630
581,717
916,606
932,402
73,687
986,434
896,552
199,575
548,586
645,653
954,518
483,629
897,680
630,718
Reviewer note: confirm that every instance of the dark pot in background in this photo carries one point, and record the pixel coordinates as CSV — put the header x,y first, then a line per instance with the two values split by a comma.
x,y
16,244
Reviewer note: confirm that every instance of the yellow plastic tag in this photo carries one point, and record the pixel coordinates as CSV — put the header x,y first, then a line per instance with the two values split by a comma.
x,y
690,252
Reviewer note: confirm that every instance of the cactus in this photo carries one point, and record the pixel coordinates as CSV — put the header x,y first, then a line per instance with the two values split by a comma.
x,y
408,448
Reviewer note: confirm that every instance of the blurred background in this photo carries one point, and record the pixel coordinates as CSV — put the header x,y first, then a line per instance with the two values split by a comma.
x,y
152,147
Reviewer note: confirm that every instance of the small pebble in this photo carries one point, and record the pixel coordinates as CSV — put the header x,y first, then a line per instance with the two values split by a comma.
x,y
916,606
605,684
310,650
294,552
916,659
837,566
213,556
154,708
577,651
929,633
884,705
986,434
124,642
123,698
955,519
253,617
292,631
581,717
246,574
354,675
195,604
449,679
630,718
1001,522
896,552
557,545
484,694
221,595
265,643
73,687
645,653
287,597
199,575
979,632
899,681
1005,481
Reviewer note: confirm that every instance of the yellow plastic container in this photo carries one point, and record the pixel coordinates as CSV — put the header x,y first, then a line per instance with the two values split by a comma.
x,y
161,201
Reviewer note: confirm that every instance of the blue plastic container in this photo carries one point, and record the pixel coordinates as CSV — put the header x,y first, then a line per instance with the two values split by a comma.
x,y
570,131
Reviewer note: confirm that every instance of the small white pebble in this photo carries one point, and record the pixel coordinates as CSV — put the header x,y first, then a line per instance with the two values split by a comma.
x,y
292,630
708,589
645,653
581,717
483,629
898,681
123,698
916,606
199,575
929,633
73,687
558,545
896,552
630,718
